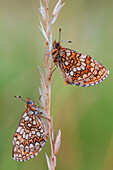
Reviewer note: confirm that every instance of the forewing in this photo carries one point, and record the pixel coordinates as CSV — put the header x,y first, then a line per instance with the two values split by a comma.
x,y
81,69
29,137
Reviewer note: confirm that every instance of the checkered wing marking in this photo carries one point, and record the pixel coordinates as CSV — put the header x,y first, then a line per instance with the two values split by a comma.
x,y
81,69
29,137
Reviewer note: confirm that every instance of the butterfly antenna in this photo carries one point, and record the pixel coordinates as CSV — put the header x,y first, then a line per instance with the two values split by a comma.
x,y
59,34
60,37
66,41
19,97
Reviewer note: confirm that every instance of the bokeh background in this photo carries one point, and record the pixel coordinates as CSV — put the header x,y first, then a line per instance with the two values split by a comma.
x,y
84,115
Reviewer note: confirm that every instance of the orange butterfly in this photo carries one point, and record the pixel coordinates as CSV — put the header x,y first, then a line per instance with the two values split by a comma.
x,y
77,68
30,135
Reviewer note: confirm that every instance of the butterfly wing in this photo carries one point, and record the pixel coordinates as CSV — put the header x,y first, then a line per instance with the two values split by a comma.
x,y
29,138
81,69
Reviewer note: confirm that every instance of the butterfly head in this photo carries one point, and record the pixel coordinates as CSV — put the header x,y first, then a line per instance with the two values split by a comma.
x,y
56,45
29,102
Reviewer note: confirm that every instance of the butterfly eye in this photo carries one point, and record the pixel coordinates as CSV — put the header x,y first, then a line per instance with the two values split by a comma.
x,y
57,45
29,102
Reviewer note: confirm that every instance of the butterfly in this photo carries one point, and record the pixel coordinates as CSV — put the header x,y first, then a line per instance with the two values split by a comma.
x,y
30,135
77,68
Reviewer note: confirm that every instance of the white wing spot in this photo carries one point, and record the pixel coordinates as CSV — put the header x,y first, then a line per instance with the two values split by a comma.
x,y
30,112
74,69
14,138
78,68
19,155
33,132
92,64
81,59
38,134
92,69
24,134
82,67
79,78
30,119
41,130
83,56
27,153
89,74
21,132
31,145
83,64
17,142
67,58
16,155
68,53
24,115
84,76
26,118
29,124
71,73
36,144
66,63
92,84
34,122
32,156
30,134
86,85
19,128
36,153
21,146
92,60
26,148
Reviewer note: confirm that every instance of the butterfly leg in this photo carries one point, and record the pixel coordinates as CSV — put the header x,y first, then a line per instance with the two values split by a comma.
x,y
54,69
55,64
38,101
45,118
40,115
51,71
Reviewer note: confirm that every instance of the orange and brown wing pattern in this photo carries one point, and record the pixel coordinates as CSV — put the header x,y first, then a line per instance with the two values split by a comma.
x,y
76,68
81,69
29,137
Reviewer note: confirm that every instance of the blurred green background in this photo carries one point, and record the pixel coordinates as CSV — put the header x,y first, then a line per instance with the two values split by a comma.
x,y
84,115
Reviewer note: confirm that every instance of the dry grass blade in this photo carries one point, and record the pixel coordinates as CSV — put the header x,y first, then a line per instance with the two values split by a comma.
x,y
45,90
48,162
43,32
50,47
43,12
43,77
57,5
55,15
57,143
